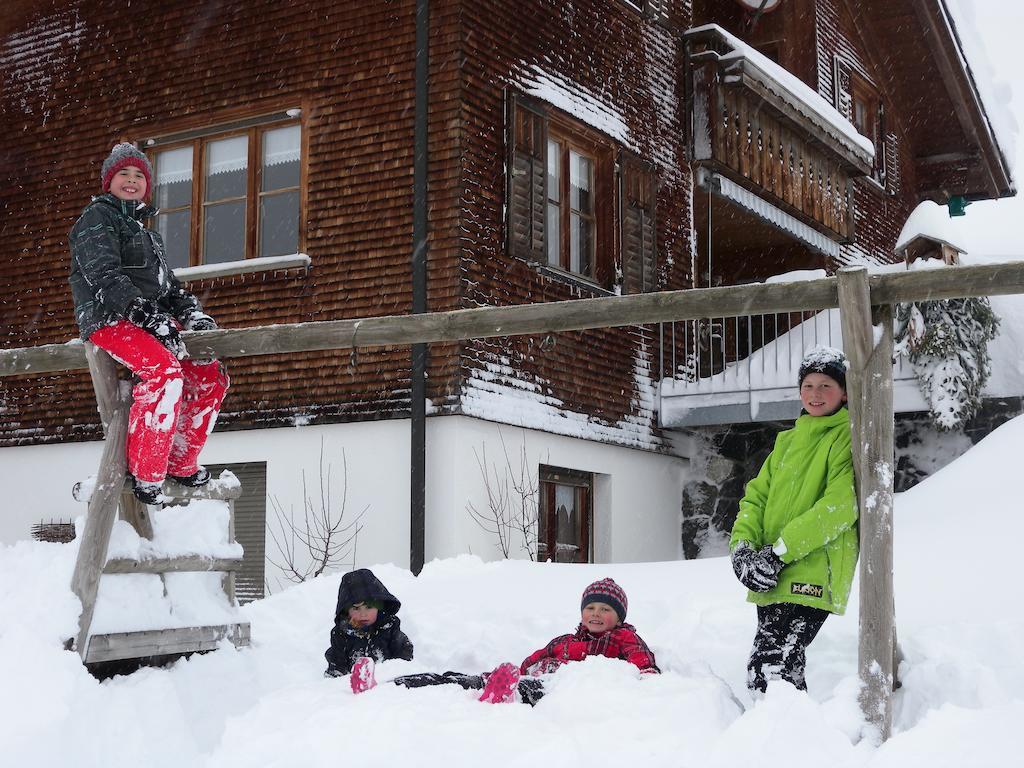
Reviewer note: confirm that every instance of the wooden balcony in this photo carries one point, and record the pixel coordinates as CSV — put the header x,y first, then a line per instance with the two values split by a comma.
x,y
757,125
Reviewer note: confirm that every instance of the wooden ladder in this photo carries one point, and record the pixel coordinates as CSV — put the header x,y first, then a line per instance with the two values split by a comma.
x,y
113,491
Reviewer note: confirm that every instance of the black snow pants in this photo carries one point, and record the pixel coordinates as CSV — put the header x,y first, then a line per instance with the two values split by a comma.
x,y
784,630
530,688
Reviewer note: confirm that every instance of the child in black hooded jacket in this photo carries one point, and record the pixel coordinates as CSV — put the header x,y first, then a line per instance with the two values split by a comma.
x,y
365,624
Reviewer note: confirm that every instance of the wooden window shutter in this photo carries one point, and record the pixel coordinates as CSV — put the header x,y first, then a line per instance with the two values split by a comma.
x,y
891,158
527,183
889,162
639,201
842,84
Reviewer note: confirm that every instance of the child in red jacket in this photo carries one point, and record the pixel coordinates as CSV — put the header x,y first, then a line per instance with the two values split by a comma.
x,y
602,632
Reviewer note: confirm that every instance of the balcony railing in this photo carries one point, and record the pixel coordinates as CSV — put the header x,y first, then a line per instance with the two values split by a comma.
x,y
743,369
764,129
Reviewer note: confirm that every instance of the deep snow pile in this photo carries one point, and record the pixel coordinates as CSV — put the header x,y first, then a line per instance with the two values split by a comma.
x,y
269,705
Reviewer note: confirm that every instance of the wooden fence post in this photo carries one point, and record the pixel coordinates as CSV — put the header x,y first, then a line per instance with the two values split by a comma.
x,y
869,349
99,520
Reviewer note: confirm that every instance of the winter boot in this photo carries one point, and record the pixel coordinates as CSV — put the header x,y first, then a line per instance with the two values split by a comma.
x,y
147,492
197,479
362,678
501,684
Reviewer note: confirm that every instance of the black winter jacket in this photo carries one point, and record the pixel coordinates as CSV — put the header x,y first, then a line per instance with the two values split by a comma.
x,y
384,639
115,259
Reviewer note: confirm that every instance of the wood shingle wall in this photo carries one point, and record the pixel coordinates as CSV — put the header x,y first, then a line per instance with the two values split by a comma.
x,y
79,75
85,75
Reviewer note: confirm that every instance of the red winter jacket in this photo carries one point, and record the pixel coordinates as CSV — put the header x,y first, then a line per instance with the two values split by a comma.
x,y
620,643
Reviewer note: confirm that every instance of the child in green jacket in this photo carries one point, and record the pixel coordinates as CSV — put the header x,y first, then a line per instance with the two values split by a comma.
x,y
794,543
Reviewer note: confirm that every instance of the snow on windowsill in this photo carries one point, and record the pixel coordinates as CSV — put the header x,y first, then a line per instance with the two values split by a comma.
x,y
243,266
575,279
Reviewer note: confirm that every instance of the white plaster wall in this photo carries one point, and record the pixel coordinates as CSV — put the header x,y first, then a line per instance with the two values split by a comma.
x,y
39,479
37,482
637,494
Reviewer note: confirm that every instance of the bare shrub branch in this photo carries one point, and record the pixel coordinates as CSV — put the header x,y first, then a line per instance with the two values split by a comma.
x,y
322,531
512,497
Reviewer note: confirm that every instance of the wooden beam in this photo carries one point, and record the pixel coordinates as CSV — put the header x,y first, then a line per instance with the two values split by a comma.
x,y
552,317
185,564
952,283
870,396
214,489
163,642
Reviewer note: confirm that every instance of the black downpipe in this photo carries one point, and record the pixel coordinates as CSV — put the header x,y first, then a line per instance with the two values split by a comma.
x,y
418,449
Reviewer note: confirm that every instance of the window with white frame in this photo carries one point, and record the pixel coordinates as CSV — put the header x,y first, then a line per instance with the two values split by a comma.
x,y
229,194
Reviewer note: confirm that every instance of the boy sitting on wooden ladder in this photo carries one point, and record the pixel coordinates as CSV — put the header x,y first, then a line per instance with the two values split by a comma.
x,y
129,303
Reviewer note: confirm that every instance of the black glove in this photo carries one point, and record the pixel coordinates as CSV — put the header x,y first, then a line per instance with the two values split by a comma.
x,y
768,563
199,321
756,569
147,315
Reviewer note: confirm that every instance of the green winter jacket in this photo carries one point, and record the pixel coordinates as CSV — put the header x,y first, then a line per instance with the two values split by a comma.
x,y
804,496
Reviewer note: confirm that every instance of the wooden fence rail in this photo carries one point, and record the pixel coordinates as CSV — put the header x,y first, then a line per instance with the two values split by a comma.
x,y
552,317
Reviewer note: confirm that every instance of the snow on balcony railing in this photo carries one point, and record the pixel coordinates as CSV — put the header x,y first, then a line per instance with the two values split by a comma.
x,y
718,380
790,88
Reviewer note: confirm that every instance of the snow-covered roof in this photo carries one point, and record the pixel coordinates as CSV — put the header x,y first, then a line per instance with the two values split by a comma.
x,y
929,220
995,93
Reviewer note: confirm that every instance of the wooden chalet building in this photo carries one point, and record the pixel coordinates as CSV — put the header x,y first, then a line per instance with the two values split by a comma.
x,y
577,149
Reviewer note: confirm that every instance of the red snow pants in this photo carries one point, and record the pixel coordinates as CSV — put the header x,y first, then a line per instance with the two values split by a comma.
x,y
175,402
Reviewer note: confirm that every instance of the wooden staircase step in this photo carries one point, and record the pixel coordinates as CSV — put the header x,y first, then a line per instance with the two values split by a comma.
x,y
184,564
163,642
214,489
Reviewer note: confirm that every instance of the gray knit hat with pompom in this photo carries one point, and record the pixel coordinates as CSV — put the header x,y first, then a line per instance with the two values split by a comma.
x,y
121,156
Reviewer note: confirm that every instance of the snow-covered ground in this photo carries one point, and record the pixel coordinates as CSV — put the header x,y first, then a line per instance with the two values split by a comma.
x,y
960,626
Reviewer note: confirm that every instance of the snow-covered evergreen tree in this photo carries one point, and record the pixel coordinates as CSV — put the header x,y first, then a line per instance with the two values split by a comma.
x,y
947,343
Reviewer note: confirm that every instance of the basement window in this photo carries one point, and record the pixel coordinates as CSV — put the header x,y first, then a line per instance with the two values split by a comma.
x,y
566,516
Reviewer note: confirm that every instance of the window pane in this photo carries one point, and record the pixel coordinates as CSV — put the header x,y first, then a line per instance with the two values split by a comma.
x,y
279,224
581,244
580,186
174,228
567,524
553,233
227,163
173,178
224,232
281,158
554,171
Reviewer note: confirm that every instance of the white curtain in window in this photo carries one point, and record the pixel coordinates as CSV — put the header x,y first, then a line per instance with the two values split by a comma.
x,y
281,145
174,166
227,155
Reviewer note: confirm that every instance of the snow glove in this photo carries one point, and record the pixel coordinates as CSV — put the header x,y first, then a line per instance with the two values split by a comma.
x,y
757,570
199,321
147,315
